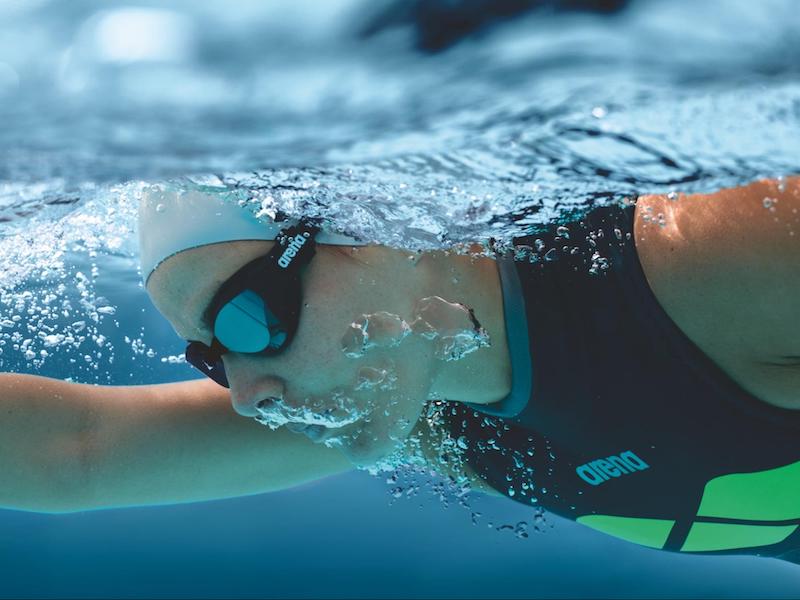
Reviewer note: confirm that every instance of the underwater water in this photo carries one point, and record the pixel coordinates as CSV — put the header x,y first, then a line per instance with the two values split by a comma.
x,y
524,121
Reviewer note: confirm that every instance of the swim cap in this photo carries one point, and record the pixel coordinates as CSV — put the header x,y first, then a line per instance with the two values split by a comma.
x,y
171,221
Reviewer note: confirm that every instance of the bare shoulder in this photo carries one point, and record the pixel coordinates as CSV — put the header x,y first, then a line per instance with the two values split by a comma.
x,y
758,223
726,268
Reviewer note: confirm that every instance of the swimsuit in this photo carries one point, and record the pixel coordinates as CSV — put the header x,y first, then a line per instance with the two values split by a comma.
x,y
616,419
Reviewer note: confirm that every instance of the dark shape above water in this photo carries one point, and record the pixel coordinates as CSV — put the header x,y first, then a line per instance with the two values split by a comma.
x,y
441,23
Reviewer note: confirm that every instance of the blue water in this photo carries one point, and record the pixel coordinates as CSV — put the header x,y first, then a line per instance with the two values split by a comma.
x,y
521,123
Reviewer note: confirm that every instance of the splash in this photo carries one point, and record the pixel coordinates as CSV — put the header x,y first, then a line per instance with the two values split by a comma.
x,y
451,326
54,314
337,410
440,474
375,378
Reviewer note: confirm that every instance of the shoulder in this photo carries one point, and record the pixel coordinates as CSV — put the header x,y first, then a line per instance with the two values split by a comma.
x,y
758,223
726,268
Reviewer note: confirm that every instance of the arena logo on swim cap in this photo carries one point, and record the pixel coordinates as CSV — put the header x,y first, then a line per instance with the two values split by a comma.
x,y
294,246
601,470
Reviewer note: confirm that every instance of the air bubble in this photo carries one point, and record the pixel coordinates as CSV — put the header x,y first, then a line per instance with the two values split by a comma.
x,y
380,329
451,325
551,255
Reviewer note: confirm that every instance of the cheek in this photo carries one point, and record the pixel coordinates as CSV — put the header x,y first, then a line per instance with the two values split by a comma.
x,y
316,360
374,439
330,304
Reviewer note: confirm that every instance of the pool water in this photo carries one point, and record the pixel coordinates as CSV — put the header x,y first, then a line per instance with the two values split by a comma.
x,y
524,121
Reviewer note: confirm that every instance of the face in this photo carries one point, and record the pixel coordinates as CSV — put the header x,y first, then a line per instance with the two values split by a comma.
x,y
364,405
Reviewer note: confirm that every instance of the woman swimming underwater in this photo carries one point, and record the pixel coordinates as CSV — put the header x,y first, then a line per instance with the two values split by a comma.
x,y
636,370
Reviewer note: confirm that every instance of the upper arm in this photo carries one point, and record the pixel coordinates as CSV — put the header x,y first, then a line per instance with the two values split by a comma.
x,y
726,268
757,225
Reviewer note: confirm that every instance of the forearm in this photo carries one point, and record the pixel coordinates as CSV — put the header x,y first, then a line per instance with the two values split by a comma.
x,y
184,443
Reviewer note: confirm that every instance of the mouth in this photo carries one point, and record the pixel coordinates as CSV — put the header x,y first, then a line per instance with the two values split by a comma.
x,y
314,417
316,433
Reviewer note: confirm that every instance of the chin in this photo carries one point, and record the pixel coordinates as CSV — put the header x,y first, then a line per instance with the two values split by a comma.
x,y
374,444
365,452
368,455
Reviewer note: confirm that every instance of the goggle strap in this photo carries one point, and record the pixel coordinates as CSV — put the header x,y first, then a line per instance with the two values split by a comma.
x,y
296,251
217,349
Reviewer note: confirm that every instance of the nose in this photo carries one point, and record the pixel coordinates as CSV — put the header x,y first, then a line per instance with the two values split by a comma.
x,y
250,385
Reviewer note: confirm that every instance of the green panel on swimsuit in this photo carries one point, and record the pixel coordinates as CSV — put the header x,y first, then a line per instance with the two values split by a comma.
x,y
646,532
726,536
772,495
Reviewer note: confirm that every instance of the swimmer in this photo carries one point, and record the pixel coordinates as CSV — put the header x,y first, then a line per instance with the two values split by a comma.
x,y
636,370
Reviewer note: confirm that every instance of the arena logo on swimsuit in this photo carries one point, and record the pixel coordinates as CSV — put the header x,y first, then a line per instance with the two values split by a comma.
x,y
601,470
292,249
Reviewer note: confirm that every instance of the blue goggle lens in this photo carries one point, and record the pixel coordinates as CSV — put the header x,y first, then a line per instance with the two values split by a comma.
x,y
241,325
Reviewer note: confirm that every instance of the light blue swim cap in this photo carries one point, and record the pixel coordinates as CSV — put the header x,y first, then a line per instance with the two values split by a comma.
x,y
171,221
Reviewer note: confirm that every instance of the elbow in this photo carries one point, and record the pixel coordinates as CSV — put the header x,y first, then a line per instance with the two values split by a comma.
x,y
49,437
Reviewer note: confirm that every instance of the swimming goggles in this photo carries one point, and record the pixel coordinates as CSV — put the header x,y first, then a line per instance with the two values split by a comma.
x,y
257,310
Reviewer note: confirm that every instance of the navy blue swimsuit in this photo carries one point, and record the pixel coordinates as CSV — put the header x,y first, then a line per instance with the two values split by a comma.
x,y
617,420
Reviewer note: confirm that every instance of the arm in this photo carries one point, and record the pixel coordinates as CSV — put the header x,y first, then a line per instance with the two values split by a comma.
x,y
67,447
726,268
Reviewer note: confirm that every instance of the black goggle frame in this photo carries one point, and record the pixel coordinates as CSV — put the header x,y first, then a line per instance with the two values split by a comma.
x,y
275,277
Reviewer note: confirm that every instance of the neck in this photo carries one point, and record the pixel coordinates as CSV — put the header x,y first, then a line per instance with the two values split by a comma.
x,y
483,376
